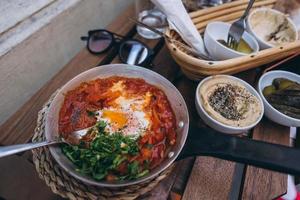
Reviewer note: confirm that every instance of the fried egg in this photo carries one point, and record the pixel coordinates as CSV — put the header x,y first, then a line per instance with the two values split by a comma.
x,y
126,114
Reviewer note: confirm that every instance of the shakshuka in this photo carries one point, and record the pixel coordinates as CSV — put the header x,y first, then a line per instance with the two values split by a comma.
x,y
132,126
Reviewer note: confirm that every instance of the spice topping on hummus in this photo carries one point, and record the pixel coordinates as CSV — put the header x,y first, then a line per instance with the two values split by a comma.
x,y
229,102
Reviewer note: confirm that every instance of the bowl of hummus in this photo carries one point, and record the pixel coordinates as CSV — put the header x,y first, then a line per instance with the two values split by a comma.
x,y
271,28
228,104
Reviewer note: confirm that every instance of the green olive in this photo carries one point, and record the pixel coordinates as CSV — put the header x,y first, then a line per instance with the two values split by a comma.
x,y
269,90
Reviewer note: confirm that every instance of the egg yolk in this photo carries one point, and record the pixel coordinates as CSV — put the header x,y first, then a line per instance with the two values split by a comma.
x,y
118,118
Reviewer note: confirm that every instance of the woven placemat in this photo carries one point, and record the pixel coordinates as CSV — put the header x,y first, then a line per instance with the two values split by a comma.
x,y
66,186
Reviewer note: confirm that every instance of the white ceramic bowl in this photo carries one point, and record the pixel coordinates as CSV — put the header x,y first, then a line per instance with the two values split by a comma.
x,y
219,31
270,112
274,16
210,121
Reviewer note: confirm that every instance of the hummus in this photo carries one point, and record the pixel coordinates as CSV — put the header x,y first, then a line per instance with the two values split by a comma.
x,y
272,27
229,102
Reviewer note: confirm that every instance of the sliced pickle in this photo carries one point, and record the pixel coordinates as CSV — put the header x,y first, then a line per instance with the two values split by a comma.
x,y
284,95
269,90
282,83
285,84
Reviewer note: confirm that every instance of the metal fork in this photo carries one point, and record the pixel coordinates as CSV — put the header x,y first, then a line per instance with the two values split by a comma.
x,y
238,27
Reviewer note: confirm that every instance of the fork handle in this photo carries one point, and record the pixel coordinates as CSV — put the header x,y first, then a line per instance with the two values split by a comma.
x,y
250,4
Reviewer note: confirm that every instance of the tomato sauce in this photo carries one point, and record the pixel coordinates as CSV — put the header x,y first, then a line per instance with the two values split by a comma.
x,y
97,94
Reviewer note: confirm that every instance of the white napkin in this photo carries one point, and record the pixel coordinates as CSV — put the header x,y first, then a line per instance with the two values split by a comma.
x,y
180,21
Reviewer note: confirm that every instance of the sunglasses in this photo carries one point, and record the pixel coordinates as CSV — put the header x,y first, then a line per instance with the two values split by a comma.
x,y
131,51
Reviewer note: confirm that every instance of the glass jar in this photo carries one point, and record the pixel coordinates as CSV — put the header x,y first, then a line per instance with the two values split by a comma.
x,y
147,13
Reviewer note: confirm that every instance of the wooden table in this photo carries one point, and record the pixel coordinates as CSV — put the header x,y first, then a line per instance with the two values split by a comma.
x,y
193,178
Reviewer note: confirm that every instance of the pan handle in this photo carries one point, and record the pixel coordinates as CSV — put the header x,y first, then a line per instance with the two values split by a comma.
x,y
275,157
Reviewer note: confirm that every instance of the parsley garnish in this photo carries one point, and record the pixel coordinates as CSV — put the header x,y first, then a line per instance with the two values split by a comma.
x,y
105,154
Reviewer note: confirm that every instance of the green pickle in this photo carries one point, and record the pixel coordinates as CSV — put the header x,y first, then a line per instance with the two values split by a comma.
x,y
269,90
284,95
285,84
282,83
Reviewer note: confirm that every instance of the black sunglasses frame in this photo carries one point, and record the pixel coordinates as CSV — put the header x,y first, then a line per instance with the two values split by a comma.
x,y
119,41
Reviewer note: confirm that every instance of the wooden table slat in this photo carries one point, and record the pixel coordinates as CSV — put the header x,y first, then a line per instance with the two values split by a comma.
x,y
260,183
162,190
19,180
209,180
182,178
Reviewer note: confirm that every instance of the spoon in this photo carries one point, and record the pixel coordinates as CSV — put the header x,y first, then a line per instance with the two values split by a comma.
x,y
73,138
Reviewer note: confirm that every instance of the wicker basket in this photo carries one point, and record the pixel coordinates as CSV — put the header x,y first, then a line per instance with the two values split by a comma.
x,y
195,68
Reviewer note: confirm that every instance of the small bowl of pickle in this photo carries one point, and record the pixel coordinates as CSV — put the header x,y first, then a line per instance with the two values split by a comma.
x,y
215,40
280,92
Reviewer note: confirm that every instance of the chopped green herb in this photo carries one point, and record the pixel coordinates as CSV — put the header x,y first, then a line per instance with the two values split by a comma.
x,y
143,173
100,126
104,154
133,167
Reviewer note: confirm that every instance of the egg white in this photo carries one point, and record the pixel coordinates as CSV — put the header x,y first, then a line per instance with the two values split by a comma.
x,y
133,109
